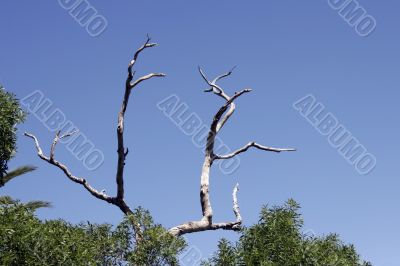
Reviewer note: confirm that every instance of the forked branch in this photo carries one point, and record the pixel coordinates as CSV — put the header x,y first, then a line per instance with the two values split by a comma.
x,y
129,86
219,120
67,172
249,145
117,200
223,114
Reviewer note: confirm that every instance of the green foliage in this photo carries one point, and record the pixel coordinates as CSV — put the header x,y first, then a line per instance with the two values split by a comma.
x,y
7,200
11,114
277,240
15,173
226,255
157,246
26,240
31,205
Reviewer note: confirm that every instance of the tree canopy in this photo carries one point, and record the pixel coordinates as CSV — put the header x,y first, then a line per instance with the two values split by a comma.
x,y
277,240
26,240
11,114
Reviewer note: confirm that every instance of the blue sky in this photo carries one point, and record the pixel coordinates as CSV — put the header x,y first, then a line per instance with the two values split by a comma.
x,y
284,50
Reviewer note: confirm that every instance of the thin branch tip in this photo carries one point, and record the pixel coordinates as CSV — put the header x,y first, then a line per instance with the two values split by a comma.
x,y
255,145
151,45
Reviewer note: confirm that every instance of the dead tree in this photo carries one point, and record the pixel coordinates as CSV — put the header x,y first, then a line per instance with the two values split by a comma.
x,y
219,120
117,200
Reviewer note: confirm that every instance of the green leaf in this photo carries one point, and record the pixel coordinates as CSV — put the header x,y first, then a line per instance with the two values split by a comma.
x,y
36,204
15,173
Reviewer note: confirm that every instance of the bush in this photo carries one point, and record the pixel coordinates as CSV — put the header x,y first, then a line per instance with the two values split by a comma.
x,y
26,240
277,240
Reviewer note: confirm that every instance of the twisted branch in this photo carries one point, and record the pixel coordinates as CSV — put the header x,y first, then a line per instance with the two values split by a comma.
x,y
118,200
219,120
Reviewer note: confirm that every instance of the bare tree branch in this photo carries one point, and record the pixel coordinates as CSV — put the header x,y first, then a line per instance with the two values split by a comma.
x,y
255,145
122,153
206,222
213,86
236,209
147,44
220,92
219,120
223,75
149,76
56,139
53,145
118,200
204,225
66,171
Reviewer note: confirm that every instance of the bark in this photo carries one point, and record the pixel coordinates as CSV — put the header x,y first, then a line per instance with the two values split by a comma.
x,y
117,200
219,120
223,114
